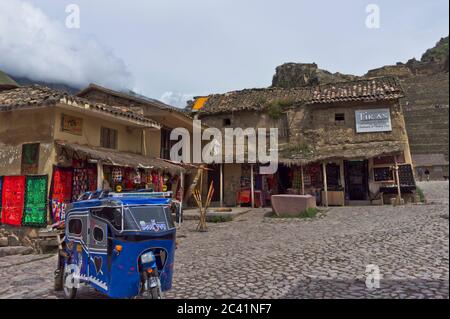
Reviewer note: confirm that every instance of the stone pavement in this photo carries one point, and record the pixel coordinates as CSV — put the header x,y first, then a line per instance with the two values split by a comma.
x,y
259,257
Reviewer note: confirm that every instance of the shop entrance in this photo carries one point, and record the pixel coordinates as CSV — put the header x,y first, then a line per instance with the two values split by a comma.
x,y
356,180
214,176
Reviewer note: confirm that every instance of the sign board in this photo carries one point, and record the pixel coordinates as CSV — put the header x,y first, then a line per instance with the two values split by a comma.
x,y
70,124
373,120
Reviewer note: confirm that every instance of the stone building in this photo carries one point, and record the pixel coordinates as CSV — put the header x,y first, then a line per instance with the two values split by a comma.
x,y
79,144
342,142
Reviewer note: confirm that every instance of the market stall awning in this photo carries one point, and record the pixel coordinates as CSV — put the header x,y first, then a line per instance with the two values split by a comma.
x,y
296,155
117,158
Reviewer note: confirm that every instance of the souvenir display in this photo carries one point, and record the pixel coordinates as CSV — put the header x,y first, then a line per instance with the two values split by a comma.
x,y
35,212
80,183
13,193
116,175
92,179
1,183
61,192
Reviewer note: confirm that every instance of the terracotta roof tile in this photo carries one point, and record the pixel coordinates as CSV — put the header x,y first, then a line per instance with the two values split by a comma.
x,y
38,96
367,90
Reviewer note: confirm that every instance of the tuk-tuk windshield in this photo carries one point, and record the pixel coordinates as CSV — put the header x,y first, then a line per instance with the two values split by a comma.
x,y
152,218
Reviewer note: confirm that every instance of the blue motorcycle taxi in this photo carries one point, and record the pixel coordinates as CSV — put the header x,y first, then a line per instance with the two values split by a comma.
x,y
121,244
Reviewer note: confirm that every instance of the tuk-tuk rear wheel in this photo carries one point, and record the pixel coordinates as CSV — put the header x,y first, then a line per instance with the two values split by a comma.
x,y
154,292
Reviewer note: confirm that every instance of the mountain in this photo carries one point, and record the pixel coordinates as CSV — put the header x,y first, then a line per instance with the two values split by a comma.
x,y
56,86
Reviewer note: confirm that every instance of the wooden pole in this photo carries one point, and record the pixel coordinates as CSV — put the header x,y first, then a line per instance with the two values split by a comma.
x,y
181,195
252,185
221,185
325,183
99,175
302,179
397,177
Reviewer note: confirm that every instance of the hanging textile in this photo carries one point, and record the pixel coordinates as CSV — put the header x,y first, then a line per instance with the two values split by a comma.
x,y
13,191
80,182
35,212
297,179
61,192
92,176
1,183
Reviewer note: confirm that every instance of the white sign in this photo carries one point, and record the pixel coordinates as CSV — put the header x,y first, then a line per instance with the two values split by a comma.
x,y
374,120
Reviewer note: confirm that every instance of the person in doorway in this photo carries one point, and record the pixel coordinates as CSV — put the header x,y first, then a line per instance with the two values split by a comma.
x,y
420,173
427,174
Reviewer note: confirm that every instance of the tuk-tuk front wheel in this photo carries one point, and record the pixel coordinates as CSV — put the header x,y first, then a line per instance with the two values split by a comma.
x,y
69,283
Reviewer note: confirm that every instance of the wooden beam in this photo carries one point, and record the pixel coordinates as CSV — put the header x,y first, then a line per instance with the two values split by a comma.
x,y
302,179
325,183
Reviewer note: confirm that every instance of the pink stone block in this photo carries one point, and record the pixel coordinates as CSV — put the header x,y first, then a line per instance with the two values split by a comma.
x,y
292,205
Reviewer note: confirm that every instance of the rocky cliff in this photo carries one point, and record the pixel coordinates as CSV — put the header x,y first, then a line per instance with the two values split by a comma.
x,y
426,86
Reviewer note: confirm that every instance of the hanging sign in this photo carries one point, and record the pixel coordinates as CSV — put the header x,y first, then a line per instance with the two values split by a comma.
x,y
373,120
71,124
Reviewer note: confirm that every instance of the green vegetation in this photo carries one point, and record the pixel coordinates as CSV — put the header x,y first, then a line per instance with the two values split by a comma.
x,y
219,219
307,214
439,52
278,107
296,150
421,194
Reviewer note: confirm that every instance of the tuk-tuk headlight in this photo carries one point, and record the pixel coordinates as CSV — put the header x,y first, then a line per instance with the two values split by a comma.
x,y
147,258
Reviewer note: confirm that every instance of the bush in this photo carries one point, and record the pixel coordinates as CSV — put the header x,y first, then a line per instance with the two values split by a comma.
x,y
309,213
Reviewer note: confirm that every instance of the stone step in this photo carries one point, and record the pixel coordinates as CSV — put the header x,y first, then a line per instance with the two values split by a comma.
x,y
15,250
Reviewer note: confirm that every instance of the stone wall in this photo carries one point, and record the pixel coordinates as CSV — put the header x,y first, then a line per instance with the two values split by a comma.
x,y
20,127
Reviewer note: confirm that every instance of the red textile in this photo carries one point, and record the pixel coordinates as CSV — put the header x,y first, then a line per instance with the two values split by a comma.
x,y
13,200
62,185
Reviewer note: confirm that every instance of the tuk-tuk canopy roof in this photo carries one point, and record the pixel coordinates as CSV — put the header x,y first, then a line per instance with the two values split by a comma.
x,y
118,201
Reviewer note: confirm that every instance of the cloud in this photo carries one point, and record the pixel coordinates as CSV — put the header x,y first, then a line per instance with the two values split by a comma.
x,y
34,46
176,98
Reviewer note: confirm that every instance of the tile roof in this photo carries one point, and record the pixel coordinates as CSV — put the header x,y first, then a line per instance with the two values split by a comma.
x,y
36,96
135,97
366,90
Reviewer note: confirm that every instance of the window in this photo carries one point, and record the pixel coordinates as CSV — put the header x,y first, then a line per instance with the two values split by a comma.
x,y
98,234
166,143
75,226
339,118
30,159
383,174
227,122
108,138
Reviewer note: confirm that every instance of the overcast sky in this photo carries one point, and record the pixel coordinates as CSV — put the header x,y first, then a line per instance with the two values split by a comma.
x,y
174,49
